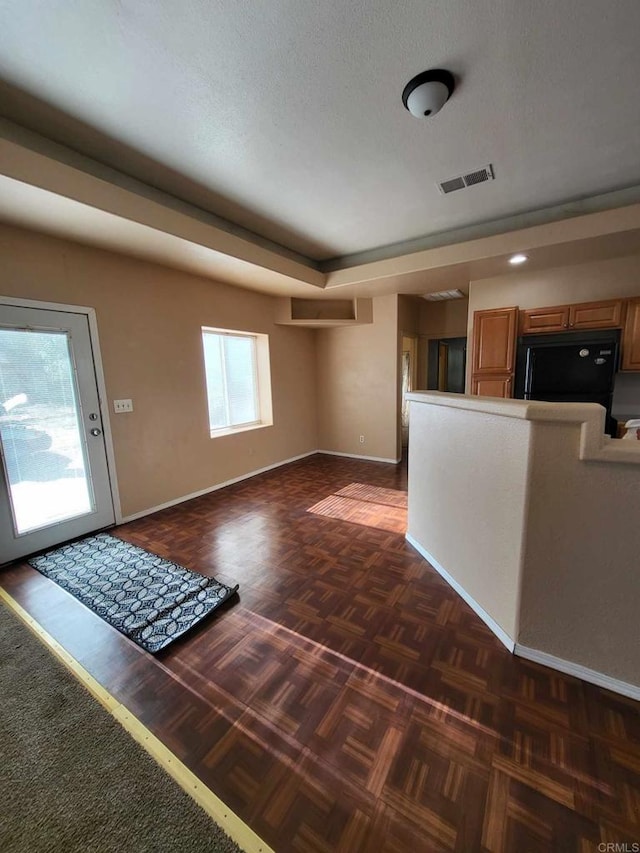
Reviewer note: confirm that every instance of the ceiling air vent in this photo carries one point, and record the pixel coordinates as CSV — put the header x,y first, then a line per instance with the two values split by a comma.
x,y
451,185
479,176
441,295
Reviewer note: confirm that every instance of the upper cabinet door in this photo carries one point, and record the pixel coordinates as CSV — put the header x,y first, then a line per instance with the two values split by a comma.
x,y
494,340
596,315
631,337
536,320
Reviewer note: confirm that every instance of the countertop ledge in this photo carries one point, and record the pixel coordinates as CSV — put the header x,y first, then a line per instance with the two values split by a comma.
x,y
595,446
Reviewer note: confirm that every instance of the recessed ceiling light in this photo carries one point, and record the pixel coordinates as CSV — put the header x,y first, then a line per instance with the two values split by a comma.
x,y
518,259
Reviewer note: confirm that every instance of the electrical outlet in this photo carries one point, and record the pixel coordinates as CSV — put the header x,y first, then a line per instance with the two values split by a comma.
x,y
122,406
361,439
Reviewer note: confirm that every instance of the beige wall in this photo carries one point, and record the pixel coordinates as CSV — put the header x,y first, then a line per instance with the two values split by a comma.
x,y
580,574
149,319
578,283
446,319
534,514
618,277
358,377
409,308
465,509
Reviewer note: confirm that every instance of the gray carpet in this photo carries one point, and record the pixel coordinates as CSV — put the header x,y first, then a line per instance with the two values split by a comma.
x,y
71,778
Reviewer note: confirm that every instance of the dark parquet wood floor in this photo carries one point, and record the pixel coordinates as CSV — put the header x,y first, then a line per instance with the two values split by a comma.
x,y
350,700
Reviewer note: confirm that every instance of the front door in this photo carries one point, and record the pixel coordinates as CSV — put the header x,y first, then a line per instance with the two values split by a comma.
x,y
54,479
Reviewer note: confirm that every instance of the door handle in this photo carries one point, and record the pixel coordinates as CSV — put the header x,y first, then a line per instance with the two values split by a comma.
x,y
95,431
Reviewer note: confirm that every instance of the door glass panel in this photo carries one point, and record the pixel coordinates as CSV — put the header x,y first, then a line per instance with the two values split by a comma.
x,y
44,453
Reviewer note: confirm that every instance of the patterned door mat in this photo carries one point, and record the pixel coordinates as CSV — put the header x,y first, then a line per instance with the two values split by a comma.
x,y
149,599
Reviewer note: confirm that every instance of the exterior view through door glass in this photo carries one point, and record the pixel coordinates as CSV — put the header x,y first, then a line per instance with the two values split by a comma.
x,y
55,482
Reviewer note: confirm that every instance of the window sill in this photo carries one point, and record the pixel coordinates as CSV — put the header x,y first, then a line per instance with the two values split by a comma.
x,y
217,433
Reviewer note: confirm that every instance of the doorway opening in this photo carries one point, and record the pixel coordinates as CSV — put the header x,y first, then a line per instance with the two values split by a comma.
x,y
447,363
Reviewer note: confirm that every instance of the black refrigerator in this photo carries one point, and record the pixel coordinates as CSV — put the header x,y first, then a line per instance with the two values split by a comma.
x,y
569,367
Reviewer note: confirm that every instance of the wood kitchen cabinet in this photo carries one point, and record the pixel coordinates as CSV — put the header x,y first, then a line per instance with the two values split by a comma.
x,y
492,385
597,315
494,340
494,352
608,314
536,320
494,337
631,337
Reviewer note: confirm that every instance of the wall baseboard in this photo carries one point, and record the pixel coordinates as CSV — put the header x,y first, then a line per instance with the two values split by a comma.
x,y
579,671
215,488
560,664
134,516
568,667
500,633
357,456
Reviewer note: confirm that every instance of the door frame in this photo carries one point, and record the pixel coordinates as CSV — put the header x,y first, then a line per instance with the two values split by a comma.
x,y
414,340
90,314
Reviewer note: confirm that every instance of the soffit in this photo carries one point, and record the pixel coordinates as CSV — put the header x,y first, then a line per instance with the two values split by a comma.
x,y
285,117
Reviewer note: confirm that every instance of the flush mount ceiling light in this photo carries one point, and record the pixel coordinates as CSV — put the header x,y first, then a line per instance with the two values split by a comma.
x,y
441,295
518,259
426,93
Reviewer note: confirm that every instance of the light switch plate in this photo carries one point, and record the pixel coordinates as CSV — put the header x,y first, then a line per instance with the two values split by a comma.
x,y
122,406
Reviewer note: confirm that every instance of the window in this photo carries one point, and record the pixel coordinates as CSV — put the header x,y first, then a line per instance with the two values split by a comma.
x,y
238,383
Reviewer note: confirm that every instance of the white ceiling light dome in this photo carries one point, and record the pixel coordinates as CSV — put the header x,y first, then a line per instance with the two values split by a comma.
x,y
426,93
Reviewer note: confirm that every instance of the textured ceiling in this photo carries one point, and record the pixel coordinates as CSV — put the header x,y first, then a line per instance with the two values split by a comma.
x,y
285,116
